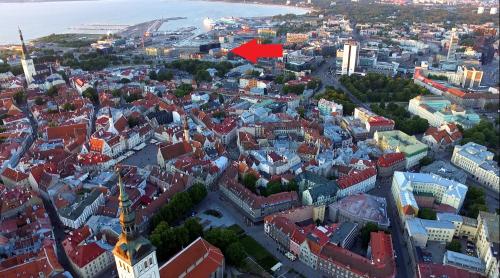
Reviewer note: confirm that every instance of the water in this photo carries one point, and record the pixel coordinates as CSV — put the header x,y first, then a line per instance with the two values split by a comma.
x,y
38,19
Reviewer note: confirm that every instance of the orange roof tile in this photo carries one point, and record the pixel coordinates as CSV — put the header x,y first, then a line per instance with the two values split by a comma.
x,y
199,259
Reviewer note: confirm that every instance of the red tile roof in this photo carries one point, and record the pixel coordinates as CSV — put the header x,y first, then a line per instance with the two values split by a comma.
x,y
46,262
382,250
446,134
82,255
172,151
356,177
14,175
425,270
380,121
66,131
390,159
199,259
256,201
356,263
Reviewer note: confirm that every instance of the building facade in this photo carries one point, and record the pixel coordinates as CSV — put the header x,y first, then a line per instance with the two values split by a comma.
x,y
477,161
398,141
350,57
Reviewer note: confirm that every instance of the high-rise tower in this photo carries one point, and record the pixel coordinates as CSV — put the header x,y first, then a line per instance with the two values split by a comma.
x,y
135,256
27,62
351,57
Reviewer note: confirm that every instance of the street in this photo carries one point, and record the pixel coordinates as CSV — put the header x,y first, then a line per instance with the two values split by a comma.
x,y
329,79
383,189
214,200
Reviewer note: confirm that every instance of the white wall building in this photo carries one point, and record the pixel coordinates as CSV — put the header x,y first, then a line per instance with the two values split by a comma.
x,y
477,161
350,57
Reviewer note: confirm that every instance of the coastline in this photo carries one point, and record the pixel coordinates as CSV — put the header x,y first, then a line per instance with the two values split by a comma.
x,y
257,3
254,10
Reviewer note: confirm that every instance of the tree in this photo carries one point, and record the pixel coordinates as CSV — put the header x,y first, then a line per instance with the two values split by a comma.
x,y
68,106
124,80
235,254
474,202
427,213
183,89
294,89
365,233
314,84
426,161
153,75
202,75
197,192
116,93
39,101
292,186
250,181
221,238
164,75
160,237
194,228
91,94
454,246
19,97
133,121
273,187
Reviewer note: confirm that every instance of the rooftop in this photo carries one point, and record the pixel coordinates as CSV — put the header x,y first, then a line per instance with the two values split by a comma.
x,y
400,142
199,259
364,206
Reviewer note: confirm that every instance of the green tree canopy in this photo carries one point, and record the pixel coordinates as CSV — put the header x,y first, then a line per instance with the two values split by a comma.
x,y
454,246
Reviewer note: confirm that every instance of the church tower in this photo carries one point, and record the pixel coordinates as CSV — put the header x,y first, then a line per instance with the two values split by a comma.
x,y
186,129
27,62
135,256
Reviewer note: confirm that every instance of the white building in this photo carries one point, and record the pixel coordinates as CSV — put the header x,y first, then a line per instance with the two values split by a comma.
x,y
350,57
438,111
423,230
488,242
328,108
477,161
405,184
463,261
75,215
357,182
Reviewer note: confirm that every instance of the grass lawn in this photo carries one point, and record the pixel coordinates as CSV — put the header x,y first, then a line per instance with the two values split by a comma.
x,y
259,253
237,229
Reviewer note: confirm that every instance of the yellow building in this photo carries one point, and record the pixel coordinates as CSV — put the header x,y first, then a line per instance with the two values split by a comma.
x,y
488,242
296,37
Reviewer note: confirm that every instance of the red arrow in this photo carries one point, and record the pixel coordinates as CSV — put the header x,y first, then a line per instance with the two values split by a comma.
x,y
252,51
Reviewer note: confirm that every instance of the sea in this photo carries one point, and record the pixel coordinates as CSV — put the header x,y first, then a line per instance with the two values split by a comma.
x,y
37,19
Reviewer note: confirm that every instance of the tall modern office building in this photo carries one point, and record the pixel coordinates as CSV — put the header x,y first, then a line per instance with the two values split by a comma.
x,y
453,45
350,57
27,62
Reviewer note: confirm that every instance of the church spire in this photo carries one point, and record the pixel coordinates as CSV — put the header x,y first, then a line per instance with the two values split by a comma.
x,y
25,53
127,216
186,129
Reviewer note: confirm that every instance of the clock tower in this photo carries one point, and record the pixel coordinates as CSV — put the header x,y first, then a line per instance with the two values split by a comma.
x,y
135,256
